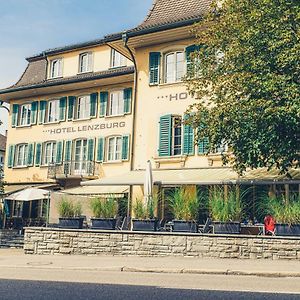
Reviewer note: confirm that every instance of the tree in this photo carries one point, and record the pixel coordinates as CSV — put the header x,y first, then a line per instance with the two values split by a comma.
x,y
247,68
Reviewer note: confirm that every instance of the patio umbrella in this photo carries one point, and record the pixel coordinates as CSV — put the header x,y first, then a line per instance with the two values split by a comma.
x,y
148,184
29,194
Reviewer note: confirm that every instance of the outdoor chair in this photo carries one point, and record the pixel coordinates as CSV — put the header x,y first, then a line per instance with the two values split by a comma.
x,y
207,227
126,223
161,225
119,223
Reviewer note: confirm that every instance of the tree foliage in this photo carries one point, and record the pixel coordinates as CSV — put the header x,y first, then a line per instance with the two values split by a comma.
x,y
247,70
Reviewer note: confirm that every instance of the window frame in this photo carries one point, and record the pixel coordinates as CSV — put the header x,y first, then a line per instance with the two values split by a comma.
x,y
27,116
117,153
48,111
53,152
87,112
59,70
173,136
24,154
122,59
89,67
120,111
174,65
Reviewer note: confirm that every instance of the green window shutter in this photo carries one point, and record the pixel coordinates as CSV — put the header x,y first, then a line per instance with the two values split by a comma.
x,y
125,147
127,100
154,68
91,150
59,152
165,135
203,144
11,156
62,108
71,106
38,154
93,103
42,114
188,139
68,151
30,155
188,51
100,149
15,115
34,109
103,103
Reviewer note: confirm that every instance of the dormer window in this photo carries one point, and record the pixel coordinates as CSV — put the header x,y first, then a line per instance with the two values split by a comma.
x,y
56,68
85,62
117,59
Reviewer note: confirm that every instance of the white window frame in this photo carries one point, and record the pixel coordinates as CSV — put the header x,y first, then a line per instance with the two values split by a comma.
x,y
56,73
89,63
51,157
83,107
25,114
175,119
116,105
21,155
175,66
52,111
117,59
114,148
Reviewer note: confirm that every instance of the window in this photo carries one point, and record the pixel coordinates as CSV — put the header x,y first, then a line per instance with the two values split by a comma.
x,y
116,103
49,153
114,151
83,107
21,155
85,62
56,68
174,66
176,135
53,111
25,116
18,209
117,59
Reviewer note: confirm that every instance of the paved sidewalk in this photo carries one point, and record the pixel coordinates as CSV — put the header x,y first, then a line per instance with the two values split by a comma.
x,y
12,258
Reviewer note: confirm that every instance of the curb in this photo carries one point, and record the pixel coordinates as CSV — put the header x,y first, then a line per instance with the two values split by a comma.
x,y
161,271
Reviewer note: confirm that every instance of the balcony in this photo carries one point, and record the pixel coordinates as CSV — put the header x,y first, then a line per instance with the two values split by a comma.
x,y
85,169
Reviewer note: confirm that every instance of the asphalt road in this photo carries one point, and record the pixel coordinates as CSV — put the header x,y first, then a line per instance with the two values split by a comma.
x,y
24,289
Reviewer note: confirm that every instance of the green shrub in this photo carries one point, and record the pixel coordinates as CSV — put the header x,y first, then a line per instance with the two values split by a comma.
x,y
104,208
224,209
143,209
67,209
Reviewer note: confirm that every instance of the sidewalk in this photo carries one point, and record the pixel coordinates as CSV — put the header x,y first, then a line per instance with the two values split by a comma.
x,y
11,258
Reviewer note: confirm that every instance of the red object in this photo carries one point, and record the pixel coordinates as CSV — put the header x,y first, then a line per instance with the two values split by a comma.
x,y
269,222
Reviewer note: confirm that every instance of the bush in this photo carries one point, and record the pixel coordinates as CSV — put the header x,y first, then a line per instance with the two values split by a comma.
x,y
225,210
143,209
104,208
67,209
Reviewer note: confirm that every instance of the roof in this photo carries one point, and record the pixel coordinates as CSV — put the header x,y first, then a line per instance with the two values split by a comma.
x,y
32,80
3,139
200,176
166,14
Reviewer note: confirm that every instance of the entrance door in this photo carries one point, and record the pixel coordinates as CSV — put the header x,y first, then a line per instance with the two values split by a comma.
x,y
80,166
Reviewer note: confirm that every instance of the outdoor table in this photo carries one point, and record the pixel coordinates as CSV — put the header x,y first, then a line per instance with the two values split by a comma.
x,y
256,229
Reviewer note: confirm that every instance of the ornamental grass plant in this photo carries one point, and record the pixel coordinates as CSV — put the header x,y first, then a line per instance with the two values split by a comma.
x,y
68,209
104,208
143,209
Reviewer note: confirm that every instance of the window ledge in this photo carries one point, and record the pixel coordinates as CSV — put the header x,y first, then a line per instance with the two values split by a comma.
x,y
24,126
116,116
20,167
85,119
170,159
165,84
53,78
85,72
117,162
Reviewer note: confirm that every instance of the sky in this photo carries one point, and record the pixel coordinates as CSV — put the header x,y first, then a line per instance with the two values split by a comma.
x,y
28,27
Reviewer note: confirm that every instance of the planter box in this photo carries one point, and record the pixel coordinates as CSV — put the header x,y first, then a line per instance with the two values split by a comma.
x,y
103,223
184,226
287,230
71,223
144,225
227,227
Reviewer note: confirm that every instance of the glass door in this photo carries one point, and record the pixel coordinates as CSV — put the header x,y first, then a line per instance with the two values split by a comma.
x,y
80,165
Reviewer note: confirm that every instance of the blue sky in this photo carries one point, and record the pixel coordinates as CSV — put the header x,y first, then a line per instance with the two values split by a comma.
x,y
28,27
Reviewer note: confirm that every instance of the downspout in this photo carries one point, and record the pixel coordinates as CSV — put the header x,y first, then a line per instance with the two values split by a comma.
x,y
125,39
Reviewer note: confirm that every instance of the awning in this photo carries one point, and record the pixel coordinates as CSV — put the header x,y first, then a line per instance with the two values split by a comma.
x,y
200,176
29,194
13,188
101,191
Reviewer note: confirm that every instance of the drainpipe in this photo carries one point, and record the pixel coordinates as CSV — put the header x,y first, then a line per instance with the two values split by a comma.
x,y
125,39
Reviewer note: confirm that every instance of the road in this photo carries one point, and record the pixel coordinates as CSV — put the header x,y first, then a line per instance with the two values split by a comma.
x,y
15,290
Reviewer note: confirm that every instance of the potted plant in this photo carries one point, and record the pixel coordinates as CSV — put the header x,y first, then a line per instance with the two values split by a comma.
x,y
226,211
70,214
185,207
144,219
286,214
104,212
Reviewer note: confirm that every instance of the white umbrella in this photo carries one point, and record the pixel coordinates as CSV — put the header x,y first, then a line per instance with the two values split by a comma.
x,y
29,194
148,184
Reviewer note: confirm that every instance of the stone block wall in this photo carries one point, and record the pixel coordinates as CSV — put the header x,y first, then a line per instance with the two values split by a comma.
x,y
91,242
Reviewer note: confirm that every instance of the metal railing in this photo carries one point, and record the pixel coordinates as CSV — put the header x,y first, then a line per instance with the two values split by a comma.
x,y
72,168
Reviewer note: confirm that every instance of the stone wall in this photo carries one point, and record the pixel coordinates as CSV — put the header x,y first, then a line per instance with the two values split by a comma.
x,y
91,242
